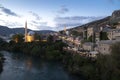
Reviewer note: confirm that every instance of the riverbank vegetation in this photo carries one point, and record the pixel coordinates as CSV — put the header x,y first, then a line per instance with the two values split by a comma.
x,y
104,67
1,62
39,49
2,44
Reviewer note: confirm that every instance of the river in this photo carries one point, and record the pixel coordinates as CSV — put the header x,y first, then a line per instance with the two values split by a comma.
x,y
21,67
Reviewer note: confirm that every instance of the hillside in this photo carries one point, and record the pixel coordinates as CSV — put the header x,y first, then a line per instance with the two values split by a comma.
x,y
114,18
5,31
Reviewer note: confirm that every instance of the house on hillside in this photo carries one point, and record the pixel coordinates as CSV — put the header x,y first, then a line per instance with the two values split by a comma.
x,y
90,31
114,34
104,46
118,25
94,32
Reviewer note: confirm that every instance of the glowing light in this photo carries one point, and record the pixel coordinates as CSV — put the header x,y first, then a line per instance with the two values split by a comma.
x,y
16,40
44,40
30,38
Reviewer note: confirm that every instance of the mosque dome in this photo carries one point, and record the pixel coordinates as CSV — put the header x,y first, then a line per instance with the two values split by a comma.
x,y
31,33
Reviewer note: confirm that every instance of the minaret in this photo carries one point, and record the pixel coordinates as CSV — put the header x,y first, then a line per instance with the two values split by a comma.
x,y
65,28
26,31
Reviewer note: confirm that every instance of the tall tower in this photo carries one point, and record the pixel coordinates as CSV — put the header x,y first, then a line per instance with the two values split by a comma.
x,y
26,31
65,28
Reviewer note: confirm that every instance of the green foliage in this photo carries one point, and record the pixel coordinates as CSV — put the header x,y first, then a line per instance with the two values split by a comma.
x,y
55,51
1,62
59,46
18,37
115,53
104,67
36,50
40,49
76,33
103,36
89,72
114,21
37,36
50,39
54,55
91,39
61,32
1,40
85,35
2,44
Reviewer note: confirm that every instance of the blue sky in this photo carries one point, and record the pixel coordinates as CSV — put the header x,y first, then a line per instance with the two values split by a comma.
x,y
54,14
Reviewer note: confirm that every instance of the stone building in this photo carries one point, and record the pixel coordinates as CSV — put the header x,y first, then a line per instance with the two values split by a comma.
x,y
89,46
104,47
114,34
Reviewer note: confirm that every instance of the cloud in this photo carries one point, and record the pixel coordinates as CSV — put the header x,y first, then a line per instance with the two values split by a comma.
x,y
35,22
12,20
7,11
12,23
73,21
39,23
40,26
113,1
45,28
63,10
35,15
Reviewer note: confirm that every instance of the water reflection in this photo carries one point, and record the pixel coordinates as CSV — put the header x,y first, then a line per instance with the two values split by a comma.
x,y
28,63
1,62
21,67
1,67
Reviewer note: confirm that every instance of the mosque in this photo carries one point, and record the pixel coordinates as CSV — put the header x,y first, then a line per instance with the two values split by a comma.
x,y
29,36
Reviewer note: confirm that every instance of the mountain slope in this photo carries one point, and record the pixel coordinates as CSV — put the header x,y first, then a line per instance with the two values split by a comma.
x,y
115,17
5,31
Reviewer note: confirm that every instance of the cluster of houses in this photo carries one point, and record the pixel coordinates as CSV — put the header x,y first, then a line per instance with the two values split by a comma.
x,y
97,45
102,38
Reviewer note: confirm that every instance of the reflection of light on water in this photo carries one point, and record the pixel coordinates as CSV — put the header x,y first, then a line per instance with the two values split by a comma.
x,y
28,68
29,64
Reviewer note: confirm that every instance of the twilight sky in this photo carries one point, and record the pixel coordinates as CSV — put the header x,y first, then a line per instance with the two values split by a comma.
x,y
54,14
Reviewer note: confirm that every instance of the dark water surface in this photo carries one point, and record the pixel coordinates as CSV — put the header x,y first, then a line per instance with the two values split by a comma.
x,y
22,67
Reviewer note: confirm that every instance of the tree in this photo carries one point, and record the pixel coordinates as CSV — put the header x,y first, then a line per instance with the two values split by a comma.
x,y
50,39
115,53
37,36
1,40
76,33
103,36
91,38
18,38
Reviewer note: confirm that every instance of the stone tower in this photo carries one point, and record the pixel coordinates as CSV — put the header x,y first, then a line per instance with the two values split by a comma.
x,y
26,31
